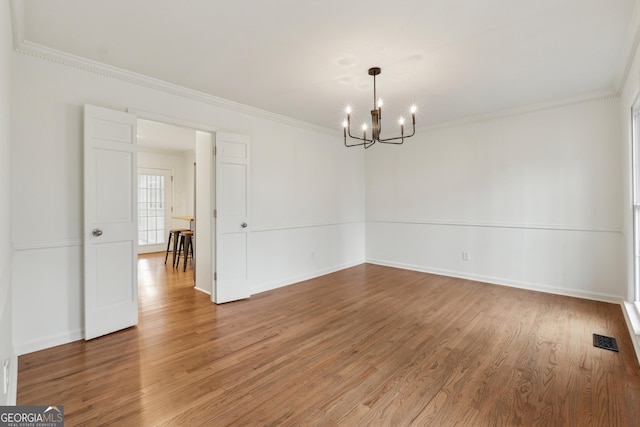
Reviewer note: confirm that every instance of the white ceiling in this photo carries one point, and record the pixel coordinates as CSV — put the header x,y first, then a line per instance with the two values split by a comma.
x,y
308,59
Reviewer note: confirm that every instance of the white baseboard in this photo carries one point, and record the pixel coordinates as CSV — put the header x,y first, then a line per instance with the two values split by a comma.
x,y
52,341
501,281
263,287
631,313
202,290
47,342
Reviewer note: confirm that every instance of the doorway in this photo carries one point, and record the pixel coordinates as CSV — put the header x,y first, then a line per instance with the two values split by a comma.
x,y
111,210
187,154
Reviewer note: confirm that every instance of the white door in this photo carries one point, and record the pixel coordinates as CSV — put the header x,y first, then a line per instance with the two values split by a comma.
x,y
110,209
233,222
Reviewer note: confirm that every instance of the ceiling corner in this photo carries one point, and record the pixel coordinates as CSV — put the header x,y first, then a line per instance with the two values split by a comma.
x,y
630,49
17,22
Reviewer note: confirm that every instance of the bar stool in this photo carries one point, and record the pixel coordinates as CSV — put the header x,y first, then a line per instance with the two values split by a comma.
x,y
185,246
173,235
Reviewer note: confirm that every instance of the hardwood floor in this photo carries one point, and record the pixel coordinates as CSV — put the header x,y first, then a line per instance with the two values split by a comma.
x,y
369,345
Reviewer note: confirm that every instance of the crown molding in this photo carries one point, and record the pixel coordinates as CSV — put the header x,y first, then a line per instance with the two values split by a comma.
x,y
84,64
45,53
49,54
630,48
528,109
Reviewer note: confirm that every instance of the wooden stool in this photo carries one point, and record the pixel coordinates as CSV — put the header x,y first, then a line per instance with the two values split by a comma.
x,y
184,247
173,234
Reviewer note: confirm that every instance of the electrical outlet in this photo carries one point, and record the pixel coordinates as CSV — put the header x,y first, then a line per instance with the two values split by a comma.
x,y
465,256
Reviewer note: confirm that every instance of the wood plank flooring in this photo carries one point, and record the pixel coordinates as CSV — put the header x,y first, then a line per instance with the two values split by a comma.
x,y
370,346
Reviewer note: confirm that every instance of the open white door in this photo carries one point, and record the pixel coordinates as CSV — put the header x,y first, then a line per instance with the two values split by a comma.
x,y
233,225
204,202
110,209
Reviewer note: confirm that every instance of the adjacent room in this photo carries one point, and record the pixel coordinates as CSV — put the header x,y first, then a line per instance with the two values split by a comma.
x,y
411,213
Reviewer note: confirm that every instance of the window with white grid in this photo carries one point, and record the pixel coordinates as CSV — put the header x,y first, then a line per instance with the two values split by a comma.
x,y
635,196
151,209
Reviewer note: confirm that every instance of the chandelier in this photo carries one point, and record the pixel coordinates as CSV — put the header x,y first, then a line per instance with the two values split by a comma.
x,y
376,122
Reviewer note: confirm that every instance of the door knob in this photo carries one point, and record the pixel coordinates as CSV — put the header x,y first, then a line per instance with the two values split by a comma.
x,y
96,232
243,225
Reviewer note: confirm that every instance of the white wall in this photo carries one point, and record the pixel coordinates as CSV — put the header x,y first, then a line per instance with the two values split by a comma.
x,y
316,221
307,192
535,198
6,250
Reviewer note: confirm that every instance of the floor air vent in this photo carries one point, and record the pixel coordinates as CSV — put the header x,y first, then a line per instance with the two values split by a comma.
x,y
607,343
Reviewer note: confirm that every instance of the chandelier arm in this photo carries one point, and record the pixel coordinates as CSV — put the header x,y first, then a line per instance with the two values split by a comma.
x,y
364,141
353,145
356,137
386,140
413,130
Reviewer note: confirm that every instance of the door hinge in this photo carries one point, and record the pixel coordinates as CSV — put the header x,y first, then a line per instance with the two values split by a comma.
x,y
171,178
215,276
215,151
215,213
171,209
